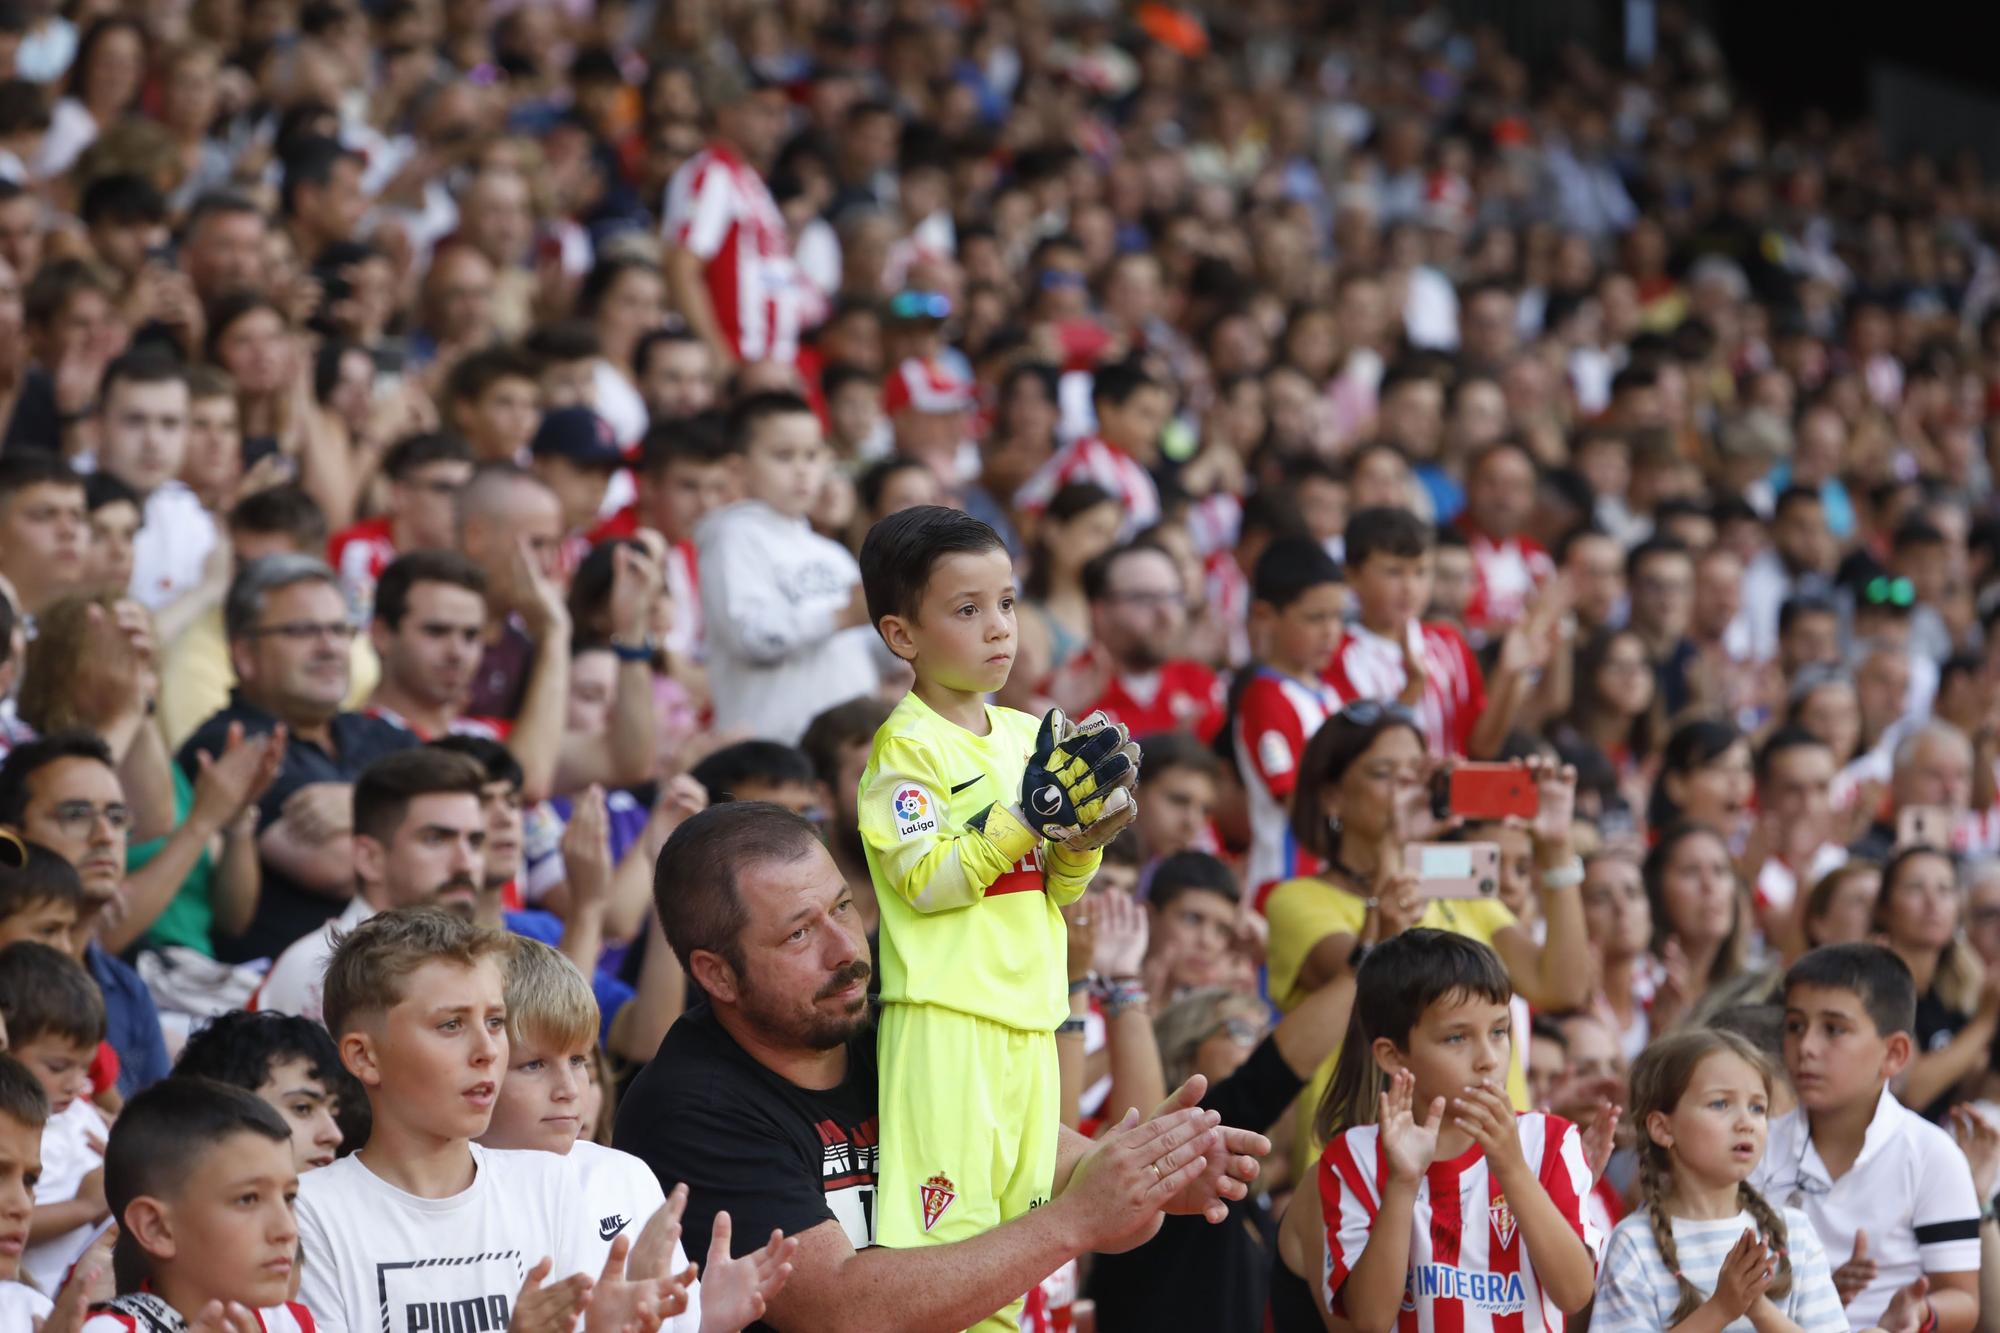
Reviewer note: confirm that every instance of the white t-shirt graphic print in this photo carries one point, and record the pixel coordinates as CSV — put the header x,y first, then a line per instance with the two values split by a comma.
x,y
378,1260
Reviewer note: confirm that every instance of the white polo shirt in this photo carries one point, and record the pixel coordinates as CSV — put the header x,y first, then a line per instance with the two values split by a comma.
x,y
1910,1190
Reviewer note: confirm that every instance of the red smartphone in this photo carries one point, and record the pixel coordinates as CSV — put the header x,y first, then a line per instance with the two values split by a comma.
x,y
1492,791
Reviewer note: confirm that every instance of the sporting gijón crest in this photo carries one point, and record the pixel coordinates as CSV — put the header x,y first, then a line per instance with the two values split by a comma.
x,y
1502,1214
937,1194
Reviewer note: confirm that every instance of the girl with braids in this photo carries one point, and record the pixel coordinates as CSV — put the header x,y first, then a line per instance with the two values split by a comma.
x,y
1703,1251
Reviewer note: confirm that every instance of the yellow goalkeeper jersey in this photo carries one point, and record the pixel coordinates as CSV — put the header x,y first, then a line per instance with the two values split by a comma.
x,y
969,920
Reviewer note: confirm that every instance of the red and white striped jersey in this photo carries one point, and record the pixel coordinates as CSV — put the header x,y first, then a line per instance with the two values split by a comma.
x,y
1093,458
1503,574
1470,1271
359,553
1229,601
1369,666
143,1312
719,207
1275,717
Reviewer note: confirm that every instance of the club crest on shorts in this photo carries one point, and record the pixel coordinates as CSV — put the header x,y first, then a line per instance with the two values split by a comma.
x,y
937,1194
915,811
1502,1214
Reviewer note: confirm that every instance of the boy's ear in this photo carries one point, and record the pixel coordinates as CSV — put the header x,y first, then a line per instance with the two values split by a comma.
x,y
1387,1058
714,974
357,1052
149,1222
1897,1053
895,632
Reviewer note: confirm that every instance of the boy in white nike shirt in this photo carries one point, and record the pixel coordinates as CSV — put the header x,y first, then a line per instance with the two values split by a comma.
x,y
423,1228
552,1025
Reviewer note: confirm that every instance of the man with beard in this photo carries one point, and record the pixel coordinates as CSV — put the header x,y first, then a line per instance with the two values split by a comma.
x,y
419,840
763,1100
1138,612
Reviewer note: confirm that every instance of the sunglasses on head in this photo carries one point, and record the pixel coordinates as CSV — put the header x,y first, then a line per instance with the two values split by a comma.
x,y
1368,712
1885,591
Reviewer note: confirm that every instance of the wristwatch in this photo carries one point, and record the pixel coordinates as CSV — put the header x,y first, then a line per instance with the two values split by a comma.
x,y
632,652
1564,877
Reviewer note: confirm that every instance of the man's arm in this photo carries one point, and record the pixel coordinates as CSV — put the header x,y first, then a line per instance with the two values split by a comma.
x,y
319,860
933,871
536,740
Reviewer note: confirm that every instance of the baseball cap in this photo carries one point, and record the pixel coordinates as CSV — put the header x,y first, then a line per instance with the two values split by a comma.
x,y
580,435
925,386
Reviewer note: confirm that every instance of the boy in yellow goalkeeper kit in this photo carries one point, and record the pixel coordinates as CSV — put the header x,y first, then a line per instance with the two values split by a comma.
x,y
979,823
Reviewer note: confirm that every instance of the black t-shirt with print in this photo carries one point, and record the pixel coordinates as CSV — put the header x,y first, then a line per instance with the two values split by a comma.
x,y
743,1139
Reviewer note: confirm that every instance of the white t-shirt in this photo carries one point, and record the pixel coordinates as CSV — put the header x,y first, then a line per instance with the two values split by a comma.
x,y
67,1157
378,1260
296,982
622,1193
21,1305
172,546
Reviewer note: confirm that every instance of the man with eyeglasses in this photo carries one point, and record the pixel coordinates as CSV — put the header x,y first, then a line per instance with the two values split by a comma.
x,y
1138,613
426,473
61,791
290,635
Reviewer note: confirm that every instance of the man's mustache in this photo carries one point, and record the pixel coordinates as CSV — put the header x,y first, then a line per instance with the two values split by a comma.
x,y
847,976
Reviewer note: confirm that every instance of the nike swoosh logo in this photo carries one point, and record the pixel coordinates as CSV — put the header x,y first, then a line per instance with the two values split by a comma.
x,y
609,1227
963,785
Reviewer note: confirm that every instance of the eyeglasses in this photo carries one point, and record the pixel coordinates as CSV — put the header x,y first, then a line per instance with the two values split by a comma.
x,y
919,305
79,818
1885,591
305,631
1367,712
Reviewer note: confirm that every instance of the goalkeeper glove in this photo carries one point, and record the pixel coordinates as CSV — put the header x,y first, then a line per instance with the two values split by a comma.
x,y
1075,776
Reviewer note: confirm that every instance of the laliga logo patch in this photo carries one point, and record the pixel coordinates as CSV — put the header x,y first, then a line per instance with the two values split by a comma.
x,y
936,1194
912,807
1048,800
1502,1214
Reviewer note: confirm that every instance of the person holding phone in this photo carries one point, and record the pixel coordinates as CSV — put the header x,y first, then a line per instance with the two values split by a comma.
x,y
1362,798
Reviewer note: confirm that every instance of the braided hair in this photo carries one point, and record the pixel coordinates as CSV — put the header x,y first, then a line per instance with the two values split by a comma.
x,y
1660,1079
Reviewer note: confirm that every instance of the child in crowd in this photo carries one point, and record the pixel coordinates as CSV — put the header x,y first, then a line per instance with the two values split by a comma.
x,y
1704,1250
780,598
1183,789
979,827
1472,1211
24,1113
55,1019
41,895
423,1221
1298,597
291,1064
200,1177
1882,1186
544,1105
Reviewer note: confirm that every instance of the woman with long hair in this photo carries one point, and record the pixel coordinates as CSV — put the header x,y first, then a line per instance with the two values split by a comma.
x,y
1701,932
103,86
1919,914
1617,710
1619,919
1706,777
250,338
624,298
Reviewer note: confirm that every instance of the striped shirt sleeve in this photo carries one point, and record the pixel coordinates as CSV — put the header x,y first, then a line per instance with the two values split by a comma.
x,y
1565,1175
1348,1204
1628,1282
1813,1302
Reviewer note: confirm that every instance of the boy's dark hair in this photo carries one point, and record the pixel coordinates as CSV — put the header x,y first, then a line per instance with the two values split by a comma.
x,y
700,439
23,106
843,373
22,1099
146,365
1290,568
757,408
653,341
1878,978
405,572
554,344
1546,1027
311,162
1399,979
101,489
44,991
161,1135
121,198
241,1049
1192,872
26,467
1652,548
282,511
383,792
1804,604
868,489
1164,751
411,452
1116,383
1781,740
852,723
1387,530
899,553
42,877
1272,514
771,762
495,760
31,757
483,369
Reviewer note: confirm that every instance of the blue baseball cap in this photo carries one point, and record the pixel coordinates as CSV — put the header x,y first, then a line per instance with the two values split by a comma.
x,y
580,435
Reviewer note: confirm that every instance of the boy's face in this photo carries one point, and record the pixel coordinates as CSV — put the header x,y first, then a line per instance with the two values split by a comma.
x,y
45,922
1834,1053
308,1108
1392,590
541,1099
1461,1041
112,530
60,1064
964,629
228,1232
580,489
435,1059
1195,934
20,1168
499,423
1174,816
1451,581
785,463
674,501
1115,879
1304,634
854,410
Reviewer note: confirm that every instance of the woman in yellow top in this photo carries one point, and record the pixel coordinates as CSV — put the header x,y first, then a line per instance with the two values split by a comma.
x,y
1362,795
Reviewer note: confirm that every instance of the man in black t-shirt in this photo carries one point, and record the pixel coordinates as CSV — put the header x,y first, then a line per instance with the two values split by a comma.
x,y
762,1100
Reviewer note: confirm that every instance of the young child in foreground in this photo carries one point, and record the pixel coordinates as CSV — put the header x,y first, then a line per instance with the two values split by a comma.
x,y
552,1033
1703,1251
1470,1216
979,826
1881,1184
200,1177
24,1110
